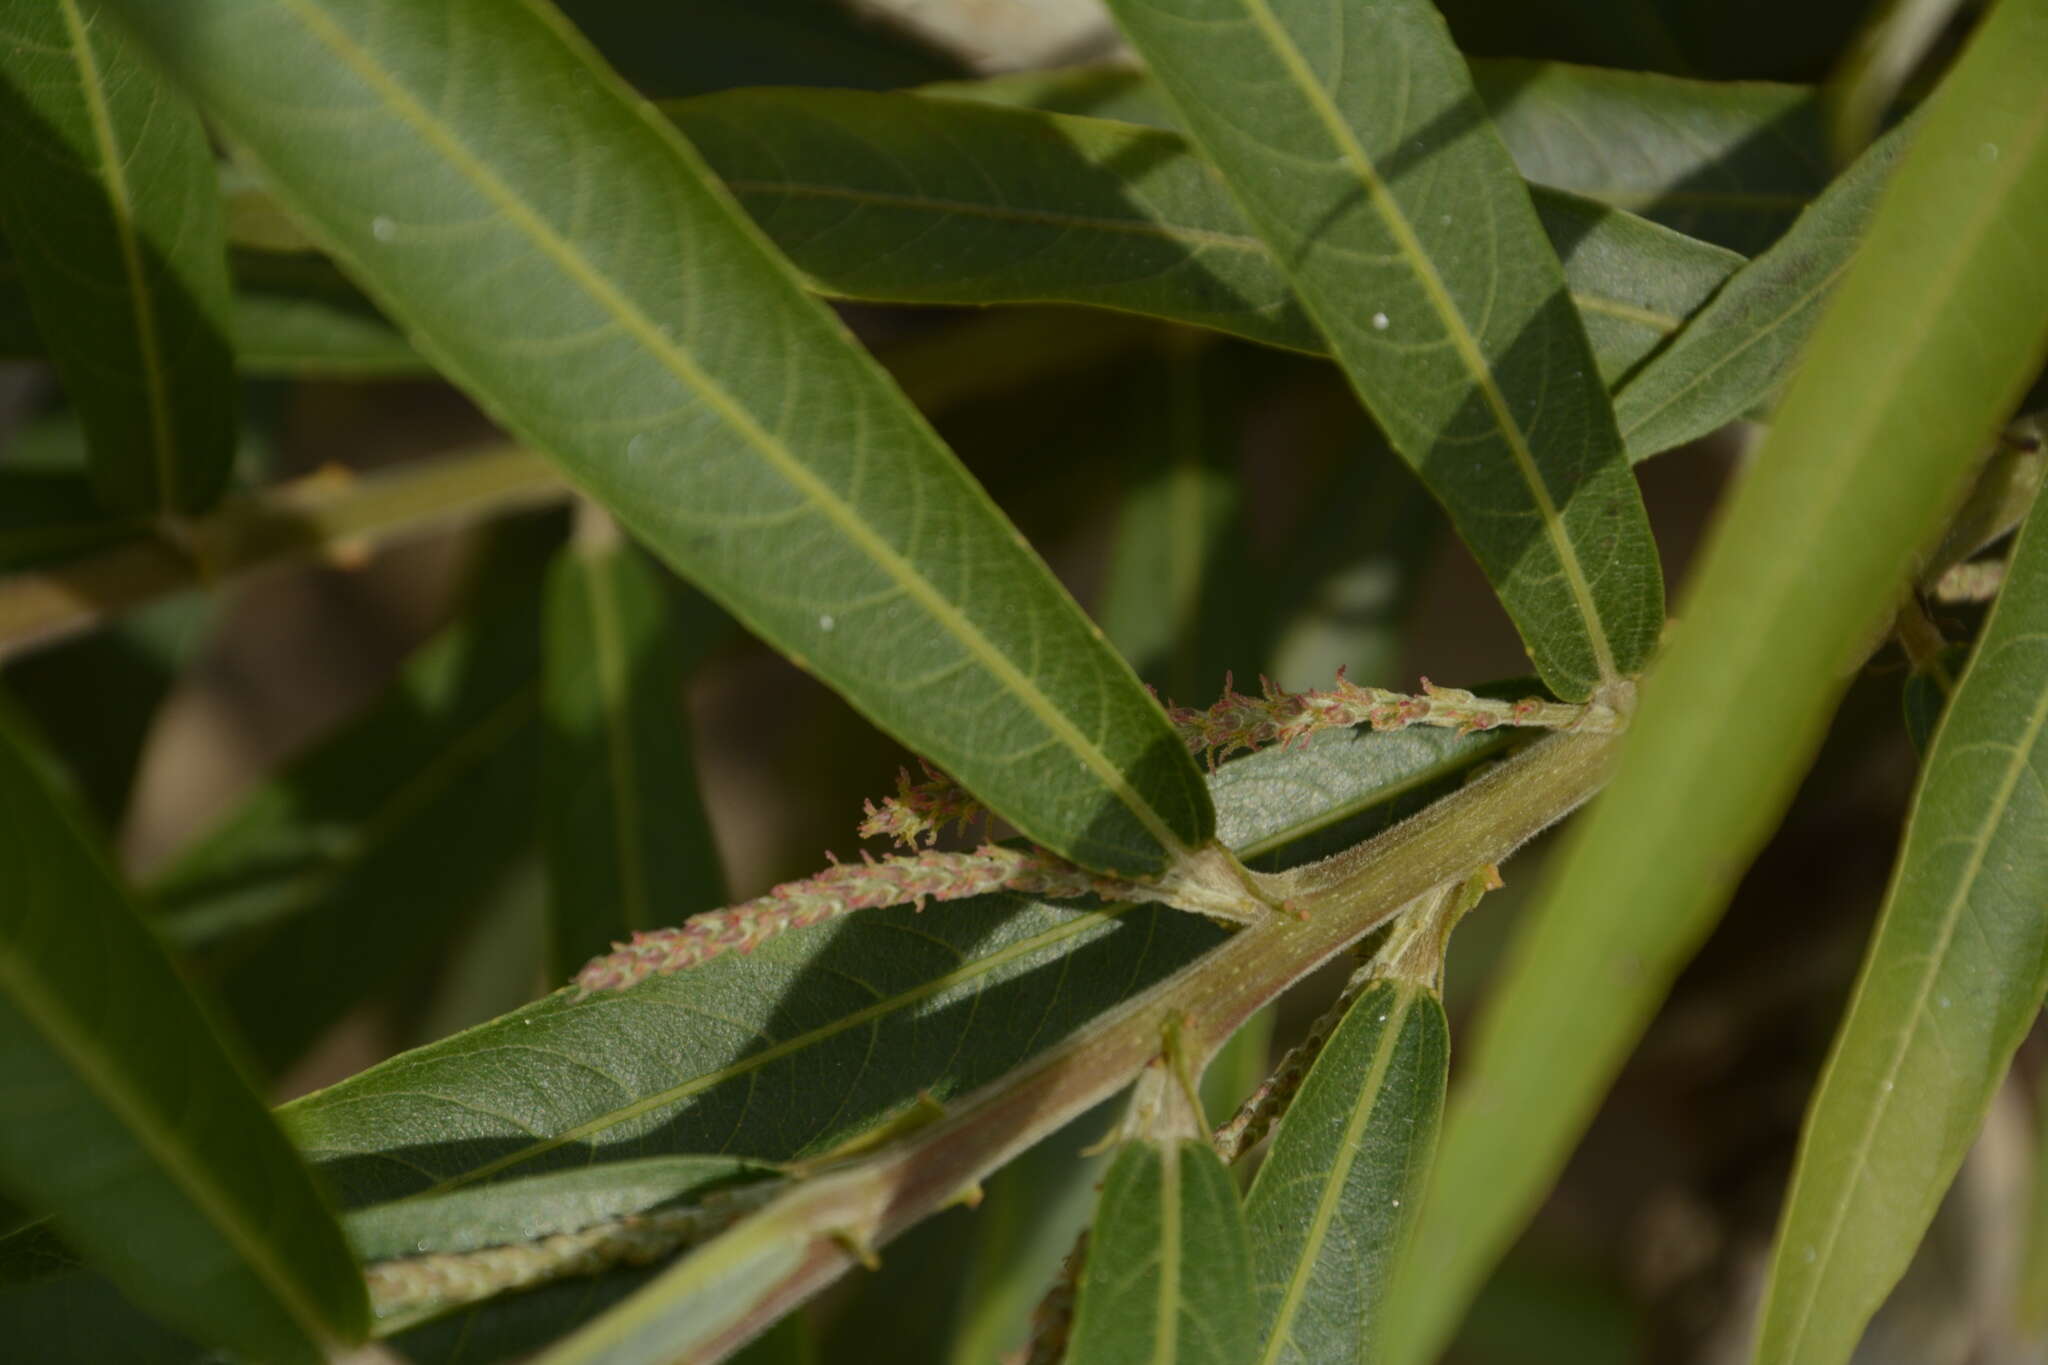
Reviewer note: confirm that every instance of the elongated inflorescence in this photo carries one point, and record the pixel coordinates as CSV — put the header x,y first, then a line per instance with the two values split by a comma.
x,y
920,811
840,890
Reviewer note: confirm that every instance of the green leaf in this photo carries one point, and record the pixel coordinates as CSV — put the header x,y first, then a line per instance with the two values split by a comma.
x,y
821,1035
351,864
1010,205
108,196
1727,162
537,1206
1023,1230
125,1119
1178,600
1337,1197
1168,1275
1932,334
628,843
1352,140
1735,353
721,413
1954,978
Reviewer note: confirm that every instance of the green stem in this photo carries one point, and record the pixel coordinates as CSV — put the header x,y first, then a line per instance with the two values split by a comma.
x,y
328,514
818,1229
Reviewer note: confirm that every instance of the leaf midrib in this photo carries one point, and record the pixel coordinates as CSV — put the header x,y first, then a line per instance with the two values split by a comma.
x,y
120,198
1951,917
99,1073
1455,328
678,363
1332,1195
1166,1307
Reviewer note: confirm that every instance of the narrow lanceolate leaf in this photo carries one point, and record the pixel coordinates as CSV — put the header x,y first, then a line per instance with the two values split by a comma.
x,y
732,1057
1735,353
1350,136
1168,1276
1937,327
1954,979
1334,1203
1724,161
558,250
1018,205
359,857
627,840
124,1118
109,199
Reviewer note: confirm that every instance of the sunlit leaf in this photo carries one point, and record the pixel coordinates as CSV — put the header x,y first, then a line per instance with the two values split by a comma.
x,y
671,363
1168,1274
1939,324
1352,139
1954,979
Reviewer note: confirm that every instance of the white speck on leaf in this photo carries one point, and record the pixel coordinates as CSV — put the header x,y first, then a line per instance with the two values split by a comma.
x,y
383,229
1379,322
826,623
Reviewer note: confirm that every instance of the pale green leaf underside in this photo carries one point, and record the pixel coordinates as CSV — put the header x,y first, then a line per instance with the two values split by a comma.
x,y
1168,1275
822,1034
1352,140
1341,1185
558,251
1954,980
1932,333
107,196
124,1118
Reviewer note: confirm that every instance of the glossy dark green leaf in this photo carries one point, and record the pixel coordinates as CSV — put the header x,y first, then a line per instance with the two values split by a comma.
x,y
108,197
1013,205
124,1118
1938,326
1168,1275
1352,139
628,844
1954,979
722,414
1333,1205
1736,353
352,863
822,1034
1730,163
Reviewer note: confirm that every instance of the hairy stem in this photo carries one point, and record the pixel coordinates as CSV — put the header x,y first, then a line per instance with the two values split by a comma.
x,y
813,1233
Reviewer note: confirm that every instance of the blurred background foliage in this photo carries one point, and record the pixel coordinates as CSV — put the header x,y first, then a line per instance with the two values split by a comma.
x,y
388,700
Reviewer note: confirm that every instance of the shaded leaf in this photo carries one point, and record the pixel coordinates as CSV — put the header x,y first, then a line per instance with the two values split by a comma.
x,y
1735,354
1010,205
1954,978
352,863
1334,1203
823,1034
124,1117
1932,334
108,197
1727,163
1353,141
628,843
770,462
1168,1275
